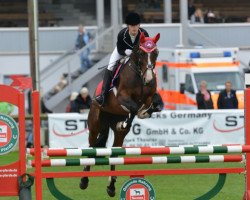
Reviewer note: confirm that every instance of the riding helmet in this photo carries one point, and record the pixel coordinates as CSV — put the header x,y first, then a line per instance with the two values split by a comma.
x,y
133,19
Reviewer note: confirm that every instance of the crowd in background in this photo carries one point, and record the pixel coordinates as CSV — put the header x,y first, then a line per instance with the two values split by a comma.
x,y
200,16
152,12
227,98
83,38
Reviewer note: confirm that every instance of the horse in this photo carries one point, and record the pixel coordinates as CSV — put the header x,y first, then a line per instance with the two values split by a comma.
x,y
133,95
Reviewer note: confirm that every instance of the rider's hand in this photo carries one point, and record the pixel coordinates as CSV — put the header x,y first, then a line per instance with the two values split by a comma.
x,y
128,52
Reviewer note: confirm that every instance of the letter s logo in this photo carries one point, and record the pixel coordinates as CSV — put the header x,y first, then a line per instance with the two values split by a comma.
x,y
71,125
231,121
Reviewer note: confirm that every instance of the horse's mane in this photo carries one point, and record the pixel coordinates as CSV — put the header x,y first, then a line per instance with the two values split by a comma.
x,y
136,47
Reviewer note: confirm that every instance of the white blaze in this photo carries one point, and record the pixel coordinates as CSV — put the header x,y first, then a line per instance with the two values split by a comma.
x,y
149,72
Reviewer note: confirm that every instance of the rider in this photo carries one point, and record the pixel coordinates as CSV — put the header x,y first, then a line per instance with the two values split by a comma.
x,y
126,40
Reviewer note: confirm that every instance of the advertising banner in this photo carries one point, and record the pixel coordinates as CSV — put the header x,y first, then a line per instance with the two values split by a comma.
x,y
68,130
168,128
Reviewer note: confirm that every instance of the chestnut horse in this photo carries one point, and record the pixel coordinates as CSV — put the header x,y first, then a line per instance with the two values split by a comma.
x,y
133,96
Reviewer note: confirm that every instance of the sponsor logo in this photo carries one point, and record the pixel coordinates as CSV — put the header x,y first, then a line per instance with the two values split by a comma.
x,y
231,124
3,133
222,130
70,128
8,134
69,134
137,189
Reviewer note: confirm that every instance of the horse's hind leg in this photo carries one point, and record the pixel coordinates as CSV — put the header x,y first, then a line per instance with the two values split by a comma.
x,y
119,137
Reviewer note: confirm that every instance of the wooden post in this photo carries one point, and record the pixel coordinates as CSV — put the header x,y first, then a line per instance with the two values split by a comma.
x,y
33,42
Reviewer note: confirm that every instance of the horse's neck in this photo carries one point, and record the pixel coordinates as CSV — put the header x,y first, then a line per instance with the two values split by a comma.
x,y
131,72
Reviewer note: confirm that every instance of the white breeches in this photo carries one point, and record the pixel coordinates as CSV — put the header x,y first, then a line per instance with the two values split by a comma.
x,y
115,56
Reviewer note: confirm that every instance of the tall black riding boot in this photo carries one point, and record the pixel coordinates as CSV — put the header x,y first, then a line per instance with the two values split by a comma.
x,y
105,87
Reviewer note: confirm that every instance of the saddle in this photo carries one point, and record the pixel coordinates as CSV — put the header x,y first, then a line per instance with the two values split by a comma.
x,y
117,70
115,74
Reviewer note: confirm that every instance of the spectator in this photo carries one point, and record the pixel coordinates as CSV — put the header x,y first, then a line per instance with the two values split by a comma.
x,y
248,20
82,101
29,140
71,105
61,84
203,97
83,38
210,17
227,98
197,17
29,134
191,8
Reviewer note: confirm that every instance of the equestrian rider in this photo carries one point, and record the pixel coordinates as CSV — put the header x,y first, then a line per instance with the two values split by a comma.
x,y
126,40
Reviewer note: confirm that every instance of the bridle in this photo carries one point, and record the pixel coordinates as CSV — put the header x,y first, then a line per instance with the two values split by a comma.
x,y
137,67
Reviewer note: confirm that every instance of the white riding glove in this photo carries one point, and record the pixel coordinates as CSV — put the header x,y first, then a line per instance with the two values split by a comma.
x,y
128,52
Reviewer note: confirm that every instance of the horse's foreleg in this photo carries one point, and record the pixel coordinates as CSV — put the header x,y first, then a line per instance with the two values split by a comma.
x,y
94,127
125,124
157,104
112,180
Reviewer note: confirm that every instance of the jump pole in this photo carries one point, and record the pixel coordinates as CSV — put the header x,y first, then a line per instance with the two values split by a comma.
x,y
139,160
37,144
95,152
247,141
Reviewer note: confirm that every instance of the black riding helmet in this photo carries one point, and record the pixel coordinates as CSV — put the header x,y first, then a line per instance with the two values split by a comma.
x,y
133,19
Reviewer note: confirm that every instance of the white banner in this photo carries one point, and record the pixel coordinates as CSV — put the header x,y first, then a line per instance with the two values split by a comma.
x,y
188,128
68,130
168,128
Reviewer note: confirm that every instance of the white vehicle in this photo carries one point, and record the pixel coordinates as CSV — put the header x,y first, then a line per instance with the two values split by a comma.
x,y
179,72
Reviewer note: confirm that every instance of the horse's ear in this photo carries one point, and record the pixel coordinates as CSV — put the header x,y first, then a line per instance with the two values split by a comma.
x,y
156,38
142,38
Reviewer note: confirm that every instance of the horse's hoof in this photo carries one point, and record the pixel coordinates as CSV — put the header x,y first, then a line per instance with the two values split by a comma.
x,y
84,183
111,191
120,126
143,115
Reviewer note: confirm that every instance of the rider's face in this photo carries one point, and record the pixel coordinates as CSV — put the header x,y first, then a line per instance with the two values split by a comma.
x,y
133,29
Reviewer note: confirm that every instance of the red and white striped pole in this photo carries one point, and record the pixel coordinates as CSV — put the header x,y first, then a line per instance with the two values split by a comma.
x,y
247,133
